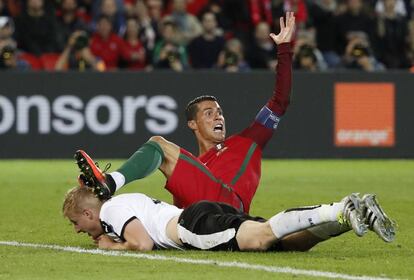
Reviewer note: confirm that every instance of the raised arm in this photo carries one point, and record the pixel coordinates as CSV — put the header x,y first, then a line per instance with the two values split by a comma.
x,y
281,95
266,121
135,236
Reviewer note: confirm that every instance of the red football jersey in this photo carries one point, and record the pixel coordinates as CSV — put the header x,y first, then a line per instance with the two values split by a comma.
x,y
237,162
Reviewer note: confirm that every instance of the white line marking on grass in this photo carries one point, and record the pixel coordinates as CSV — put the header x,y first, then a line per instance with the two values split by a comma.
x,y
272,269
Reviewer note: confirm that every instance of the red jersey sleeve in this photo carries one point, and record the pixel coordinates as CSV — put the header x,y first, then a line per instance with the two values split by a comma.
x,y
259,131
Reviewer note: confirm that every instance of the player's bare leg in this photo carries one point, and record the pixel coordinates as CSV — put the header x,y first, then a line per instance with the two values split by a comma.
x,y
373,216
262,234
264,239
157,153
299,241
300,229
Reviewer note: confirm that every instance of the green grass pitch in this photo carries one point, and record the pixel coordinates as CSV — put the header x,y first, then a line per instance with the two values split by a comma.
x,y
31,194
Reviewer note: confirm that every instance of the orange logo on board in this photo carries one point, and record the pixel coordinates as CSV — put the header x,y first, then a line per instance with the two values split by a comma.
x,y
364,115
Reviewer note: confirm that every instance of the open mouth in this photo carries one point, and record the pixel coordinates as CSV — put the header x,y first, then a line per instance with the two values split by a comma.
x,y
218,128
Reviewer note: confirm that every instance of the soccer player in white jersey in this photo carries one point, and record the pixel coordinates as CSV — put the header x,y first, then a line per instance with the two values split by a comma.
x,y
138,222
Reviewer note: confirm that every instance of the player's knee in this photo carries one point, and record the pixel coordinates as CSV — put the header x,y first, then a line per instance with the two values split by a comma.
x,y
253,236
158,139
253,244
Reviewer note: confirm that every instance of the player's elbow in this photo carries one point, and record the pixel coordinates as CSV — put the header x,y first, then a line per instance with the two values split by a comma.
x,y
141,246
145,248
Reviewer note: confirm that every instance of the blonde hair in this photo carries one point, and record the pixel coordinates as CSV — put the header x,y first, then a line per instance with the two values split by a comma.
x,y
79,198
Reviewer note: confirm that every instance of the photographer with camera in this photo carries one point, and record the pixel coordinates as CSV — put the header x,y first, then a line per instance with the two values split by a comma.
x,y
77,55
9,58
305,59
306,55
167,53
232,58
359,56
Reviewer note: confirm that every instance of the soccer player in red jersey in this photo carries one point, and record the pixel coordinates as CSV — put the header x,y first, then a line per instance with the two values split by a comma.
x,y
227,169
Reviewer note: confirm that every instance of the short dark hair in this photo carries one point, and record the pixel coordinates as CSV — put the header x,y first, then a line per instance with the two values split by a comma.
x,y
191,109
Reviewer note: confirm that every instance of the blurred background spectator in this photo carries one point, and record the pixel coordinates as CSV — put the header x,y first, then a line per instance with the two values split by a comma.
x,y
69,20
359,55
9,60
77,55
305,59
188,27
36,28
392,34
306,54
323,14
215,7
148,20
205,49
262,52
232,58
155,9
113,10
168,53
44,28
357,18
133,52
105,44
6,32
9,55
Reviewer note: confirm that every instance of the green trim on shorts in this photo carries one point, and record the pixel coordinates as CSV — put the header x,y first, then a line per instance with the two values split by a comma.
x,y
203,169
244,164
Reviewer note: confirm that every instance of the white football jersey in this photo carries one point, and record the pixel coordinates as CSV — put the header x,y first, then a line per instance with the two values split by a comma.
x,y
154,215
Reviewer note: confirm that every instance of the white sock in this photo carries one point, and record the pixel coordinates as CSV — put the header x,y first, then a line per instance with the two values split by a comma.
x,y
298,219
328,230
118,178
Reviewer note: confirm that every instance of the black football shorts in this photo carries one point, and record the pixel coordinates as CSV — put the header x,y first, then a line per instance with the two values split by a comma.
x,y
212,226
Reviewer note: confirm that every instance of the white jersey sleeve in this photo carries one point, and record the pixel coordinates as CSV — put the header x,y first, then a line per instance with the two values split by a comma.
x,y
114,219
154,215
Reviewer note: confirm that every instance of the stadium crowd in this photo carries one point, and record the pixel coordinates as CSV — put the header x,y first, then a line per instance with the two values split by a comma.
x,y
231,35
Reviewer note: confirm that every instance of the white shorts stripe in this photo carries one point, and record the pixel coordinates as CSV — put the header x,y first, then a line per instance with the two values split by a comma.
x,y
205,241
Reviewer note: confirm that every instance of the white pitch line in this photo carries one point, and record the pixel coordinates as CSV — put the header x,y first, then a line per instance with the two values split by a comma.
x,y
272,269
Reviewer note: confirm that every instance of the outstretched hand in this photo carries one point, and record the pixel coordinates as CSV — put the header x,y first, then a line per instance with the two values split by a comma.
x,y
286,30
